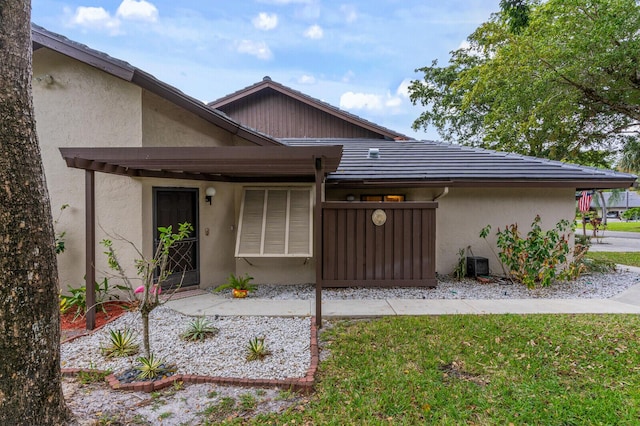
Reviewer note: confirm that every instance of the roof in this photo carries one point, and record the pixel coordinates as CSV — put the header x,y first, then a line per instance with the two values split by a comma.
x,y
623,200
232,164
121,69
428,163
268,84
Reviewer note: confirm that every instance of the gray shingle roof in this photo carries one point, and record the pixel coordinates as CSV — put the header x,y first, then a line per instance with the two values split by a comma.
x,y
428,162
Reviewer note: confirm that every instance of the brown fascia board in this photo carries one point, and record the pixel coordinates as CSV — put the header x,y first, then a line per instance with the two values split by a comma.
x,y
121,69
205,162
43,38
299,96
579,185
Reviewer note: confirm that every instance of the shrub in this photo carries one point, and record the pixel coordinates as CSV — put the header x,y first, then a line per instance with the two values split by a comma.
x,y
199,329
257,349
540,257
150,368
238,283
121,344
631,214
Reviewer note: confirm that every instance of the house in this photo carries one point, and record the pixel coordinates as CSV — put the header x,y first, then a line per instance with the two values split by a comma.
x,y
617,203
337,200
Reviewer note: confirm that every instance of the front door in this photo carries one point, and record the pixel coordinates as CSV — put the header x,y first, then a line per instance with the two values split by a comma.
x,y
173,206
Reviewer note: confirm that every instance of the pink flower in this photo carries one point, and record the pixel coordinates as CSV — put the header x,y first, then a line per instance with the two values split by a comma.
x,y
154,290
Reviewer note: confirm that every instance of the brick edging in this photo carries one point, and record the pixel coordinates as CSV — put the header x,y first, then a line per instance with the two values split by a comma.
x,y
299,384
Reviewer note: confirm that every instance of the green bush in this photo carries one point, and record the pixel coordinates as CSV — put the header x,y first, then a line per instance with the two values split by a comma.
x,y
631,214
537,259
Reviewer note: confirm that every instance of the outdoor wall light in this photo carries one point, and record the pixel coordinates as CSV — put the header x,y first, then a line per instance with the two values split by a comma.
x,y
210,192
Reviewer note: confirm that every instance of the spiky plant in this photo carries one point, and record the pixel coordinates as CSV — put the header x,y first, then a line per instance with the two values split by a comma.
x,y
257,349
199,329
151,367
121,344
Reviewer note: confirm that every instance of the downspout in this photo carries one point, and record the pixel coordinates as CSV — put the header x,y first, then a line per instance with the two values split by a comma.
x,y
444,193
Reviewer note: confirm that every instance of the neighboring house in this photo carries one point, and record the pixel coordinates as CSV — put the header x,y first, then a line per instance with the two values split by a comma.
x,y
336,200
617,203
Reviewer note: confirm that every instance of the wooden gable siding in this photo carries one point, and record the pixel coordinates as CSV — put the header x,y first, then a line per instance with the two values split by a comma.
x,y
280,116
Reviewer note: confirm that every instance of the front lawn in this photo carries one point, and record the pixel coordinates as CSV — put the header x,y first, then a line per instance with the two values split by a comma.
x,y
623,258
475,369
616,226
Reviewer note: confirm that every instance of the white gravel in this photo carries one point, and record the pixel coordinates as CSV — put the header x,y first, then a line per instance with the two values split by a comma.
x,y
593,286
223,355
287,338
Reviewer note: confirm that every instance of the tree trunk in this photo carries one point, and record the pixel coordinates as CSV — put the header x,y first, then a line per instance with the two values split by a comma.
x,y
30,384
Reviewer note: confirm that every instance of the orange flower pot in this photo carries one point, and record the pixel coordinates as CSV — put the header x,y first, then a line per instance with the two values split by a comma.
x,y
240,294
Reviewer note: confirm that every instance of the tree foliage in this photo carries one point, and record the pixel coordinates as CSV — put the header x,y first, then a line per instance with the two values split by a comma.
x,y
558,79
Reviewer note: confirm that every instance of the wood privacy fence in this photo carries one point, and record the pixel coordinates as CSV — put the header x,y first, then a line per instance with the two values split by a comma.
x,y
378,244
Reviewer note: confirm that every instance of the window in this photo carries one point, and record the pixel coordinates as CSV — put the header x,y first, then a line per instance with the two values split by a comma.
x,y
386,198
275,222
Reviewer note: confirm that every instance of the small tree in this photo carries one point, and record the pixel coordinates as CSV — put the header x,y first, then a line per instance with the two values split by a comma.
x,y
153,272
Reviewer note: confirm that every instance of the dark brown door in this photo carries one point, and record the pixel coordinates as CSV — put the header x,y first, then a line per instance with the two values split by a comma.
x,y
173,206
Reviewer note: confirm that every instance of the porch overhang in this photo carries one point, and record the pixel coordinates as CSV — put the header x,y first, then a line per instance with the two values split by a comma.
x,y
229,164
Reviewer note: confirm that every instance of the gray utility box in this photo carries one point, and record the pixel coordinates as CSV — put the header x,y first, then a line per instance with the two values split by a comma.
x,y
477,265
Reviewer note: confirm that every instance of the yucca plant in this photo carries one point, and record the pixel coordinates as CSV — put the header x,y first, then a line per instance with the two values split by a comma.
x,y
120,344
199,329
151,367
257,349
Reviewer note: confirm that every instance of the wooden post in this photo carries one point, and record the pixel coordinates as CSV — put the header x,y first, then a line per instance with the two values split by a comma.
x,y
317,235
90,257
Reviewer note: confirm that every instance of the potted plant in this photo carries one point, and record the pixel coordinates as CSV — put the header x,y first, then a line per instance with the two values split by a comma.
x,y
240,285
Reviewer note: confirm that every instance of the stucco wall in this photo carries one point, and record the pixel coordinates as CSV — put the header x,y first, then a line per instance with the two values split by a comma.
x,y
463,212
80,106
166,124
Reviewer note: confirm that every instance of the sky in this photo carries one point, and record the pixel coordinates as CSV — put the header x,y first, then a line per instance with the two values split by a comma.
x,y
359,56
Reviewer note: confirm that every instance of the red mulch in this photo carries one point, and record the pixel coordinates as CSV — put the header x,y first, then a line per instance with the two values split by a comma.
x,y
72,327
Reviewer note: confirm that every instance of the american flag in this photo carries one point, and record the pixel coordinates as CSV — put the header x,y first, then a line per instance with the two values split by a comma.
x,y
585,201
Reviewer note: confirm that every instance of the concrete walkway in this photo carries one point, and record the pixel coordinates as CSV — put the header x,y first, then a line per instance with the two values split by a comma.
x,y
204,303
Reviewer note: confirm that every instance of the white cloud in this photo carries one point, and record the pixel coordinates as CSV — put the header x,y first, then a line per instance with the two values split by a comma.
x,y
348,76
350,12
259,49
314,32
265,21
307,79
403,88
392,101
368,101
95,17
140,10
285,1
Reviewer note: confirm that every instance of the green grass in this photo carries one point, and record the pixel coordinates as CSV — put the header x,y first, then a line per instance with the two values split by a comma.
x,y
617,226
475,369
624,258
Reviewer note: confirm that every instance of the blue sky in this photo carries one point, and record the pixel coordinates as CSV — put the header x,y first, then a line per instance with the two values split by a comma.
x,y
357,55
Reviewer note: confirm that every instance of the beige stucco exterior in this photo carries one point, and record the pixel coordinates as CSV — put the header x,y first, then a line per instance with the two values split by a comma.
x,y
463,212
80,106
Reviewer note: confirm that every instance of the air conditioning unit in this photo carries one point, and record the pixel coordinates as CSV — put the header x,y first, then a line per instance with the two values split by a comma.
x,y
477,265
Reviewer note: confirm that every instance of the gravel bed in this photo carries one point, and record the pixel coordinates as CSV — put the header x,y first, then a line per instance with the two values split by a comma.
x,y
221,355
594,286
288,338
